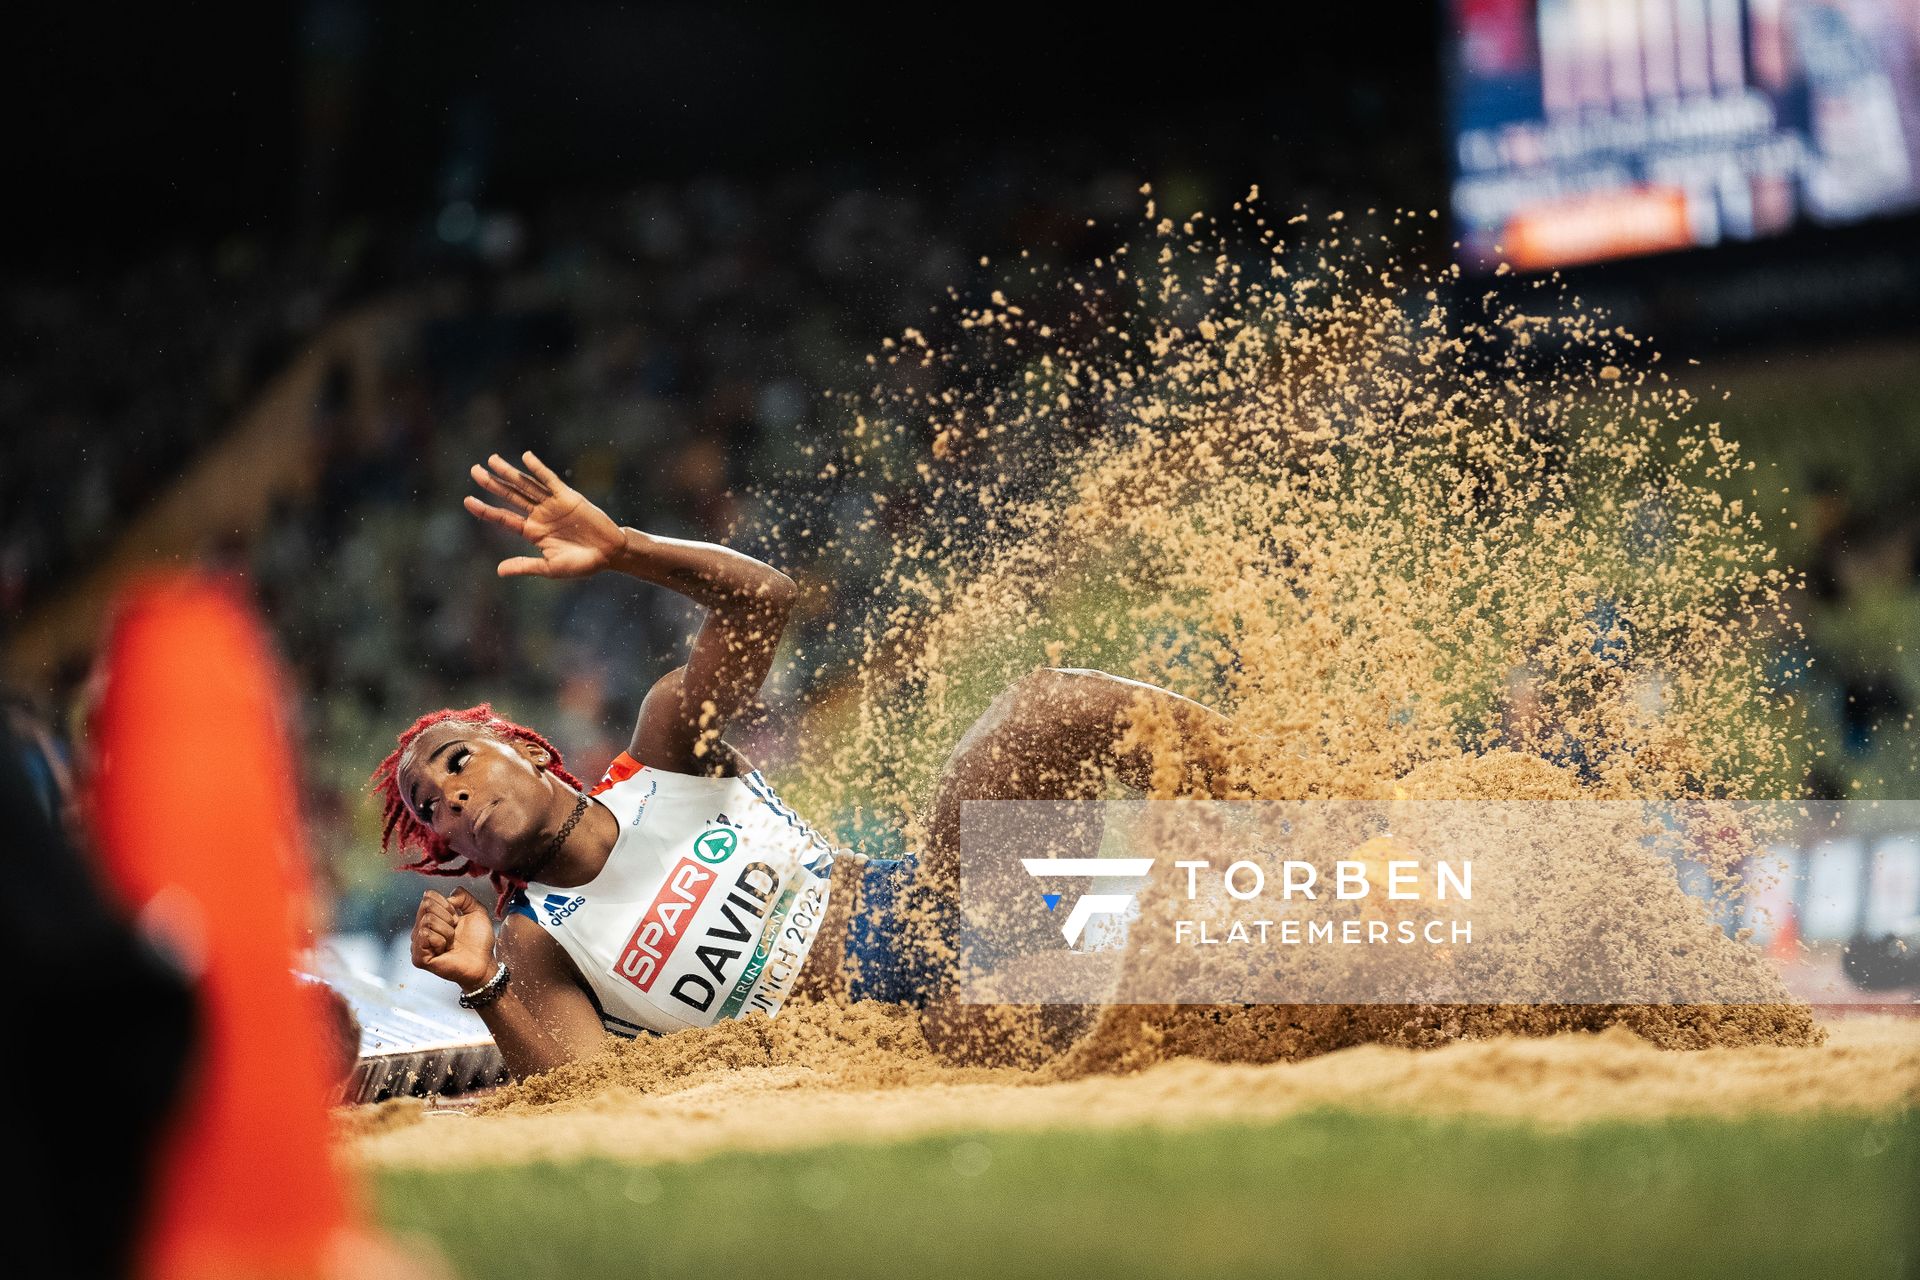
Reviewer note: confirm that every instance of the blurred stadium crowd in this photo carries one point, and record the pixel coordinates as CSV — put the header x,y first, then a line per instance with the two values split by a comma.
x,y
111,382
671,347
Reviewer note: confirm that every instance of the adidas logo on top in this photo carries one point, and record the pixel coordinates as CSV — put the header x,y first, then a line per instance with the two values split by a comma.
x,y
559,906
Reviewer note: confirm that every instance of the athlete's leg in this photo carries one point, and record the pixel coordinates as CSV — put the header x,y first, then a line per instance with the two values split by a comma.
x,y
1055,734
1058,733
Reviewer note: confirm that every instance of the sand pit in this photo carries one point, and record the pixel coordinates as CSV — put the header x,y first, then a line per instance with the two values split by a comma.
x,y
1867,1064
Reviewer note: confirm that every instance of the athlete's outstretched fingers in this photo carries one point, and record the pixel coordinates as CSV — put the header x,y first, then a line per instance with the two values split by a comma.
x,y
523,567
545,473
527,480
494,515
531,490
500,489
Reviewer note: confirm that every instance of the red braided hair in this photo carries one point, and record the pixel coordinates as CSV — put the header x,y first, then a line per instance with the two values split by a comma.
x,y
400,828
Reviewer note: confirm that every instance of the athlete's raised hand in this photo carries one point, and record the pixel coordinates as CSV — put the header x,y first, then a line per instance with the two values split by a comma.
x,y
453,938
575,537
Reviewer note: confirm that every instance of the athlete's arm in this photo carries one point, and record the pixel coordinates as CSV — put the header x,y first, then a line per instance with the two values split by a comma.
x,y
544,1018
747,604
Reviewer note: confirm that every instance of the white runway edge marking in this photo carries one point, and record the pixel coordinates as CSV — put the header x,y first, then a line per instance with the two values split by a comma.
x,y
1089,905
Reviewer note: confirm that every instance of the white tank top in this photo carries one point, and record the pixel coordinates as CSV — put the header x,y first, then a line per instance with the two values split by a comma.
x,y
706,908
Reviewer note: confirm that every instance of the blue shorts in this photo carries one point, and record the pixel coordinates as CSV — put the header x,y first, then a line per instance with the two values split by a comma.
x,y
886,965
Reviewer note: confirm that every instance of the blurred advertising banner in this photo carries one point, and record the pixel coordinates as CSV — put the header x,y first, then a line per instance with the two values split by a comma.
x,y
1420,901
1592,129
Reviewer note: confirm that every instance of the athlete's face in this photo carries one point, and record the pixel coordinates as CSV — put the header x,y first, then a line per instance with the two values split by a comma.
x,y
489,800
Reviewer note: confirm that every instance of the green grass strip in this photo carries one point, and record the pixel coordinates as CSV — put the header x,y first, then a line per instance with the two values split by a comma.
x,y
1327,1194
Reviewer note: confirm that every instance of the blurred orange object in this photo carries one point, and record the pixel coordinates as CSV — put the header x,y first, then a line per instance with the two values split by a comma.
x,y
199,825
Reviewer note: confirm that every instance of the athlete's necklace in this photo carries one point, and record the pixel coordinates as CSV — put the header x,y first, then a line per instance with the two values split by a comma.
x,y
552,850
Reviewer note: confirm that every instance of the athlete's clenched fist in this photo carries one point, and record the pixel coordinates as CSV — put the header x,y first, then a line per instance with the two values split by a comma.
x,y
453,938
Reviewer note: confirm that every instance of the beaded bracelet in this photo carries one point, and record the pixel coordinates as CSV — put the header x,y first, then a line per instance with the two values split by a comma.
x,y
489,991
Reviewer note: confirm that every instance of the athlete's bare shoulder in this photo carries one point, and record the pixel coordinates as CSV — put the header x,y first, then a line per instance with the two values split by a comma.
x,y
722,760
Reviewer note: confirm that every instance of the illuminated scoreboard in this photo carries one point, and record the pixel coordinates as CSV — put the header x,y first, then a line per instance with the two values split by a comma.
x,y
1592,129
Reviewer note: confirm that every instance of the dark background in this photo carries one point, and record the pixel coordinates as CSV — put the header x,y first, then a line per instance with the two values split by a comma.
x,y
138,127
